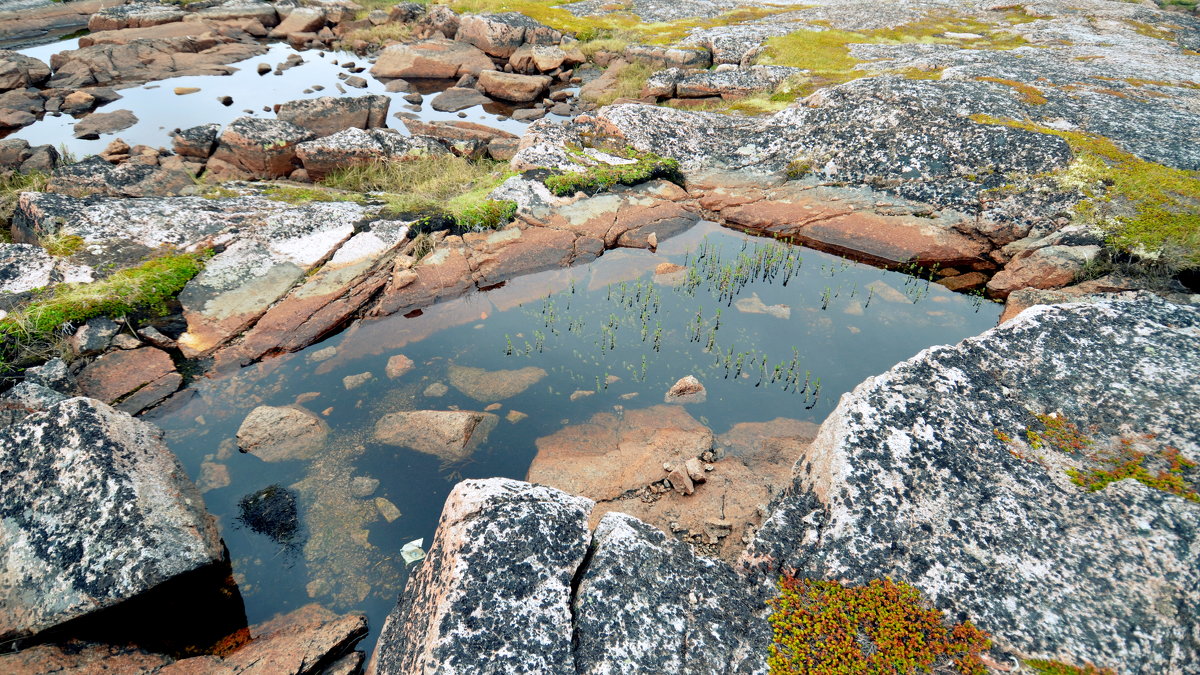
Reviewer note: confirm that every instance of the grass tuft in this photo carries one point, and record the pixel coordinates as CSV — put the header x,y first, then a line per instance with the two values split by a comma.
x,y
631,79
144,290
11,187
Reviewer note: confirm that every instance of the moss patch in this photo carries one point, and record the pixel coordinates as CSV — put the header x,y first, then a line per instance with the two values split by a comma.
x,y
143,290
1029,94
631,79
62,245
882,627
604,176
1145,208
293,194
1161,468
826,53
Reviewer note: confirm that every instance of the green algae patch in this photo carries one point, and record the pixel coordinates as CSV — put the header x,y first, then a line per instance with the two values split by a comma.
x,y
825,52
881,627
143,290
1144,207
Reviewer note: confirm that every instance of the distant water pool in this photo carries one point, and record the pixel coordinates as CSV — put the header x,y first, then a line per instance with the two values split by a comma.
x,y
771,330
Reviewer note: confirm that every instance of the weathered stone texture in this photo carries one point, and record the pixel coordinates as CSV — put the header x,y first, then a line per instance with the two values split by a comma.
x,y
94,510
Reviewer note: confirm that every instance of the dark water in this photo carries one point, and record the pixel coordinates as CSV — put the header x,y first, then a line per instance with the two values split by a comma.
x,y
610,328
159,110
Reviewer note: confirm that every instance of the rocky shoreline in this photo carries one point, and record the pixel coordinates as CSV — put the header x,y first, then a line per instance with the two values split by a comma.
x,y
1034,154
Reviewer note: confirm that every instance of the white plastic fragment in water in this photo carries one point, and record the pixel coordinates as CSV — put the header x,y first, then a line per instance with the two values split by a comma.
x,y
411,552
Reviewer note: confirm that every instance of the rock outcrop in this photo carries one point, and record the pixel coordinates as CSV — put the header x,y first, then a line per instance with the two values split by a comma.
x,y
491,598
95,510
910,478
918,476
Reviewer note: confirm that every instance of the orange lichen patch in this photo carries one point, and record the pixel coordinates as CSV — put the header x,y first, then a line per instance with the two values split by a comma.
x,y
1029,93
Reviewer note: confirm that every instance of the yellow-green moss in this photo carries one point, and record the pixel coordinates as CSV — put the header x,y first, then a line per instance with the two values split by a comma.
x,y
1161,468
62,245
881,627
1029,93
1044,667
826,53
1144,207
295,194
145,289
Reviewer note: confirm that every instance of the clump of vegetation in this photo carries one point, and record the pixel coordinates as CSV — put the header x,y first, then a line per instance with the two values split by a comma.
x,y
881,627
631,79
1044,667
62,245
1147,209
445,188
1057,433
296,194
144,290
825,54
11,187
1159,468
799,168
1029,94
381,35
604,176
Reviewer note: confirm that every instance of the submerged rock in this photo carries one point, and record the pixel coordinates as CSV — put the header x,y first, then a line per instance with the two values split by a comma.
x,y
451,435
279,434
96,510
487,386
271,511
520,546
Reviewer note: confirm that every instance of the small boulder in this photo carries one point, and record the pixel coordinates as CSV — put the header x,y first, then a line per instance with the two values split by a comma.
x,y
451,435
197,142
433,58
500,35
92,126
330,114
686,390
487,386
111,510
513,87
300,20
398,365
18,71
132,380
262,148
278,434
458,98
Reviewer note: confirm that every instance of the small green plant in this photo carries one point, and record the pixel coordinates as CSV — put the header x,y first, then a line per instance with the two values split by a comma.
x,y
881,627
604,176
142,290
422,246
1159,468
1057,433
799,168
1044,667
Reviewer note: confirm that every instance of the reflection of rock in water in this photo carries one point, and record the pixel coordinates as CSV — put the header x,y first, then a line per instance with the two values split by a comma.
x,y
343,567
272,511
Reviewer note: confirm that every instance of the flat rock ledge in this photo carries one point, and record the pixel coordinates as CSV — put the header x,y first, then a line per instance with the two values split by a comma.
x,y
94,509
909,479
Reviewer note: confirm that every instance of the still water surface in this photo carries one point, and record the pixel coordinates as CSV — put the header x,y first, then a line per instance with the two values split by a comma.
x,y
806,327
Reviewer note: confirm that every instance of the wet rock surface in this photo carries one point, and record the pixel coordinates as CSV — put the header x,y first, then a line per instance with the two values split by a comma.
x,y
278,434
451,435
96,510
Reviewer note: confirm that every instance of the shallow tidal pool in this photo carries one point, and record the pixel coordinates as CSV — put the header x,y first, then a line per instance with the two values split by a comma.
x,y
770,329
